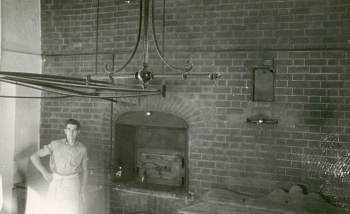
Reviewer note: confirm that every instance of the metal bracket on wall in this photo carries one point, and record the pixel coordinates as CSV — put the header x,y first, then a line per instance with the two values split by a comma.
x,y
262,121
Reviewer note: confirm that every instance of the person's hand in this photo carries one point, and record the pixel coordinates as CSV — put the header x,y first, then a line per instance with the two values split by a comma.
x,y
48,176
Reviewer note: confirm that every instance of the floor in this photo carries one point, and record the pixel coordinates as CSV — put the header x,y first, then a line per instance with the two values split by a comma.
x,y
19,202
95,205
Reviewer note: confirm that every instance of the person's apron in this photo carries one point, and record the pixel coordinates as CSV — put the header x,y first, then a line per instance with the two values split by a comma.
x,y
63,194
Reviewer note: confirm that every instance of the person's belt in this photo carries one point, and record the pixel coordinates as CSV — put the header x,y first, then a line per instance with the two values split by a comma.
x,y
65,177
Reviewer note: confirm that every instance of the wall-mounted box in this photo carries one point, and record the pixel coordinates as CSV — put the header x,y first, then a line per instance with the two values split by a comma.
x,y
263,88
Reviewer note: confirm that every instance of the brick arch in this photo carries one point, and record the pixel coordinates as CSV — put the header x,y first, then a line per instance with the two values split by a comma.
x,y
176,105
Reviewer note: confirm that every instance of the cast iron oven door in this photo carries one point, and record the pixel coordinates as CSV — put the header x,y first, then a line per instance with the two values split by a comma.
x,y
163,167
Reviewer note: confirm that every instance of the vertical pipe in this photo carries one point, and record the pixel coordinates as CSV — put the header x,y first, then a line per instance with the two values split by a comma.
x,y
97,20
145,31
163,42
108,191
111,140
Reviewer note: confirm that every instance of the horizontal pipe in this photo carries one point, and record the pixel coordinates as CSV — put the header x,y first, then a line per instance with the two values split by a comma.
x,y
21,52
80,95
111,88
179,75
197,50
85,54
47,76
25,97
137,95
37,88
160,75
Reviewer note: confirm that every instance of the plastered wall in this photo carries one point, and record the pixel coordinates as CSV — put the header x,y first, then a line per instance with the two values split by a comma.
x,y
20,52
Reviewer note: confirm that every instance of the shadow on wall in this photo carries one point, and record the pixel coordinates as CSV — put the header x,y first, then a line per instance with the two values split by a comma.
x,y
24,169
1,194
24,174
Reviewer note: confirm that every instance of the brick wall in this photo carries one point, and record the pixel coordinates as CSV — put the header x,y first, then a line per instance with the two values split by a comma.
x,y
127,201
308,41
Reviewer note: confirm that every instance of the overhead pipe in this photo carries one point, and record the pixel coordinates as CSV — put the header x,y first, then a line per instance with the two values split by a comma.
x,y
63,85
80,85
110,69
60,85
145,75
76,94
188,65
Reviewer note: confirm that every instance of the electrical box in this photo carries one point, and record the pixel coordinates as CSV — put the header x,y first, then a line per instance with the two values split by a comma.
x,y
263,88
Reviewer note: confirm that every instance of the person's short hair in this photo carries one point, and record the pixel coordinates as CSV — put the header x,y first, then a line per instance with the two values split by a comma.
x,y
73,122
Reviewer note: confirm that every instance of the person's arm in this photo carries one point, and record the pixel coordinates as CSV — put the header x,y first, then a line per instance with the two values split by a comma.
x,y
35,158
84,179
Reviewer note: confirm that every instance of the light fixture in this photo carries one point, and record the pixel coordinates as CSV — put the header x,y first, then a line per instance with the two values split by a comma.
x,y
144,75
148,113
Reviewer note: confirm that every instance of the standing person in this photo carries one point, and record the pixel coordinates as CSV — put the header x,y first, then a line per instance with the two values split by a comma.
x,y
68,158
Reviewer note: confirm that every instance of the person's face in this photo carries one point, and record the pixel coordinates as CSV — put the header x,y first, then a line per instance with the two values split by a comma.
x,y
71,131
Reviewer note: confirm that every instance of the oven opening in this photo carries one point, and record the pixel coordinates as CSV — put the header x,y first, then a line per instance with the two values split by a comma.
x,y
151,151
